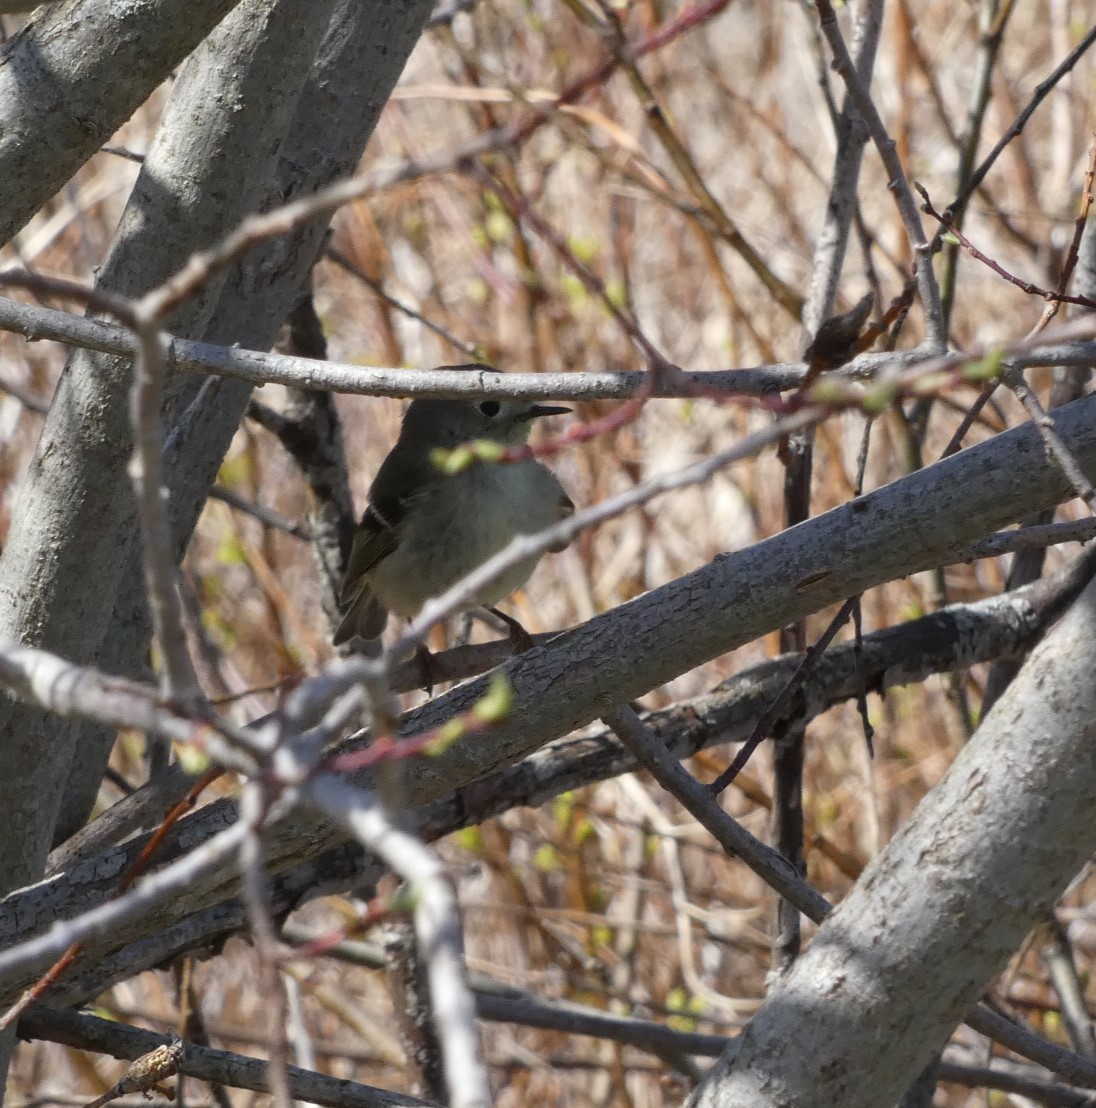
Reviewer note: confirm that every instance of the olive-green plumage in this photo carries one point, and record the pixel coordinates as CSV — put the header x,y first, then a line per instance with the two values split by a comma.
x,y
424,530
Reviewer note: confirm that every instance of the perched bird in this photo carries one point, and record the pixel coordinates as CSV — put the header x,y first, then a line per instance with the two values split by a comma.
x,y
424,530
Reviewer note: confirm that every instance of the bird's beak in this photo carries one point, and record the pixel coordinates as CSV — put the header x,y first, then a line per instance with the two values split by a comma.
x,y
538,410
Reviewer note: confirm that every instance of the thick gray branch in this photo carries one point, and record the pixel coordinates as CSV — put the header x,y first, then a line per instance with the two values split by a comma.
x,y
986,854
74,521
956,638
962,635
358,62
73,76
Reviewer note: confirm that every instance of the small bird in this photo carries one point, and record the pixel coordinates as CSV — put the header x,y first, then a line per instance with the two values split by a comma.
x,y
424,529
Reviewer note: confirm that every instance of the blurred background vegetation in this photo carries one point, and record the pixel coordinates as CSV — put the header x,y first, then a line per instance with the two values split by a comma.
x,y
611,895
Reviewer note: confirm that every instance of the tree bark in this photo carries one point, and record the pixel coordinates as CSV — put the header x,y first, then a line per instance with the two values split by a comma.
x,y
359,60
73,75
74,523
936,915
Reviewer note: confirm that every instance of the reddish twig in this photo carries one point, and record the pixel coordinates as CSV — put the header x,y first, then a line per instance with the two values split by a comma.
x,y
520,211
492,710
1051,310
374,911
140,864
686,20
947,222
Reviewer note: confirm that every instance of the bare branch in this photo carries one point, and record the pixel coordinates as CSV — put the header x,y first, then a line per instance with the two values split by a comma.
x,y
772,867
178,679
150,890
221,1067
907,206
437,929
996,842
41,678
260,367
73,76
829,253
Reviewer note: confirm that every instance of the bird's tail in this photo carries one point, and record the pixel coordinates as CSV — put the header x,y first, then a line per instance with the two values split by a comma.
x,y
364,618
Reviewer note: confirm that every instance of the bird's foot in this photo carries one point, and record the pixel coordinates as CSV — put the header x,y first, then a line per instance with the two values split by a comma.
x,y
520,639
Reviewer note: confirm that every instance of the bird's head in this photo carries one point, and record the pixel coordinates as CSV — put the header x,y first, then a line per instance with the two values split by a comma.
x,y
448,423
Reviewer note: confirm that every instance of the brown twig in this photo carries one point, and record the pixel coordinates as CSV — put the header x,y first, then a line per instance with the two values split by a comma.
x,y
907,207
1051,310
1039,94
613,34
947,221
992,18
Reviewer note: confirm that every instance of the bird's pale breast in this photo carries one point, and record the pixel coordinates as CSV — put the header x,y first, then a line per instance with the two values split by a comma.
x,y
460,522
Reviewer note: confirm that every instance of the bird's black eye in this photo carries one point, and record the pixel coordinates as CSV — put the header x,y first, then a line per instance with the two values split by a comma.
x,y
490,408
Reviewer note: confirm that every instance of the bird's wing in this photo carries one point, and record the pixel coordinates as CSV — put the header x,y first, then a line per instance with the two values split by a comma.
x,y
363,615
378,532
375,538
566,508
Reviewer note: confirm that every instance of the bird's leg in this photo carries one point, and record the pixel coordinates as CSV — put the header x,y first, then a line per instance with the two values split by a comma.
x,y
520,639
464,636
429,673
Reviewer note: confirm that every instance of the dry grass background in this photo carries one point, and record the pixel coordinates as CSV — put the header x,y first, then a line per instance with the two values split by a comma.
x,y
611,895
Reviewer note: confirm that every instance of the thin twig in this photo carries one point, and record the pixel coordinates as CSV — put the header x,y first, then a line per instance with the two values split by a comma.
x,y
992,19
947,222
1051,310
254,807
841,203
146,468
770,866
613,35
1056,448
1029,538
1037,97
955,443
777,708
468,349
266,516
907,206
1057,953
